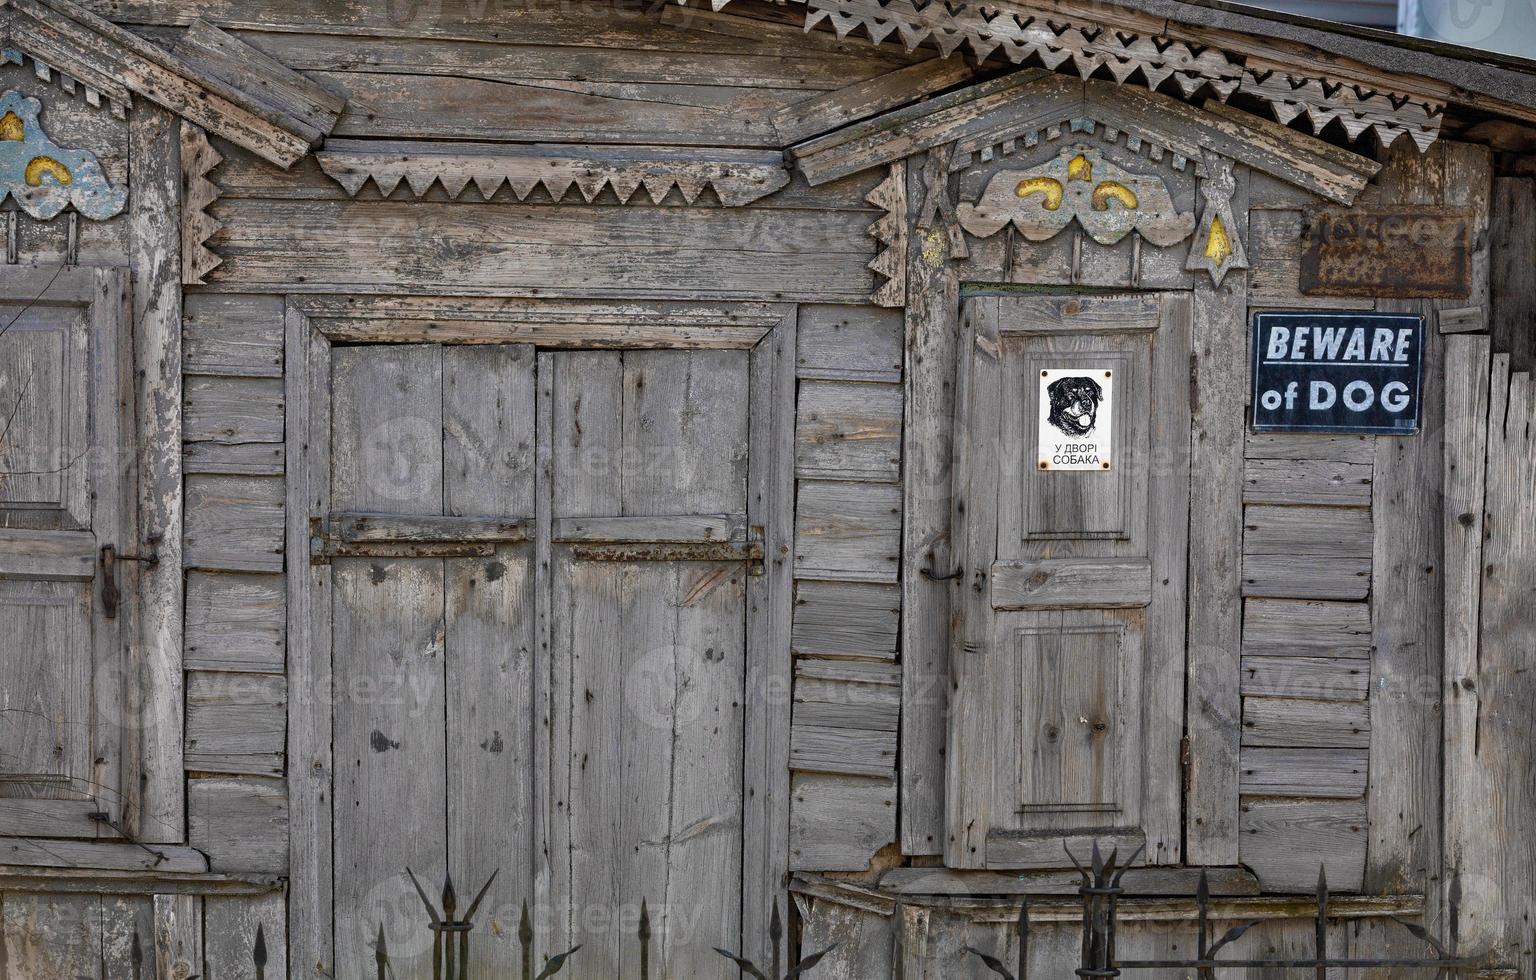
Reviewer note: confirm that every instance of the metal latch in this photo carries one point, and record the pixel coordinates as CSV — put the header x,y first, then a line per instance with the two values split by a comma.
x,y
110,595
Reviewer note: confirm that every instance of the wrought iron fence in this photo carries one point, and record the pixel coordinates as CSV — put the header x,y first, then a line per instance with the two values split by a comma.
x,y
1101,891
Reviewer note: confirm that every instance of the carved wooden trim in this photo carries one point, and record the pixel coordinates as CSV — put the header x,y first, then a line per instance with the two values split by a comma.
x,y
198,192
1218,244
1083,46
890,233
995,116
220,83
102,94
736,176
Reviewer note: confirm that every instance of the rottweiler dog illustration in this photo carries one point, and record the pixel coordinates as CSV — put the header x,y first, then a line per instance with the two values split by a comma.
x,y
1075,404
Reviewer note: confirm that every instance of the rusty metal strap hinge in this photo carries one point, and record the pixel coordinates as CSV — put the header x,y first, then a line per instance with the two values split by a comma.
x,y
111,595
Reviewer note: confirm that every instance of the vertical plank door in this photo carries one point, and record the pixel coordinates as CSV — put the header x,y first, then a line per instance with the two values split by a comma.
x,y
65,482
651,556
1071,625
432,585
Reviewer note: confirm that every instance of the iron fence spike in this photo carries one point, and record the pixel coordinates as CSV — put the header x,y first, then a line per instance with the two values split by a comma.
x,y
645,920
431,909
775,924
450,899
259,954
1119,875
475,905
525,926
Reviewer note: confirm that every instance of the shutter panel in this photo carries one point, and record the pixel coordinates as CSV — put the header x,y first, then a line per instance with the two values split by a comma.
x,y
1072,603
65,402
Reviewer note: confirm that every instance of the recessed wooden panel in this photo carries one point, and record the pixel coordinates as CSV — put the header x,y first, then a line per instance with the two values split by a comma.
x,y
46,699
1067,718
44,411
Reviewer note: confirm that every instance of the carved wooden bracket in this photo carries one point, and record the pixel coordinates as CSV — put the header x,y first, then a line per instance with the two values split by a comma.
x,y
890,235
198,158
736,176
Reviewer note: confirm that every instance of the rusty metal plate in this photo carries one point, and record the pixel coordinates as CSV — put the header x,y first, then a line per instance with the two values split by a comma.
x,y
1391,252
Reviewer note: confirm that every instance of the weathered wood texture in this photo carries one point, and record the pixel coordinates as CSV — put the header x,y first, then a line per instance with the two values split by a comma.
x,y
848,441
1511,252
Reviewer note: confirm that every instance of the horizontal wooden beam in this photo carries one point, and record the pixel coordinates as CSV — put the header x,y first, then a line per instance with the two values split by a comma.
x,y
1057,583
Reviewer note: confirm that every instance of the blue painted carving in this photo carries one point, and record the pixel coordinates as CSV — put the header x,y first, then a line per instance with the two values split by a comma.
x,y
44,177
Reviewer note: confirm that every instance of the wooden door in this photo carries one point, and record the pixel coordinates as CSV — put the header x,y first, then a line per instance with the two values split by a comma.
x,y
66,416
648,652
537,611
1072,475
431,600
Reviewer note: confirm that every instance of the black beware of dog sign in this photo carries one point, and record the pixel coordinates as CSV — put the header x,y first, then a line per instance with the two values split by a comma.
x,y
1337,372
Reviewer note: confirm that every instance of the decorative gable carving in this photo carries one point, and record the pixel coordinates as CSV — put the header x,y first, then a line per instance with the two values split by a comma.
x,y
45,178
1108,201
227,87
1083,46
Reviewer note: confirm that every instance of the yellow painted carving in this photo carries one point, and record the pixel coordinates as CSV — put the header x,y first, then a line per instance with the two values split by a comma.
x,y
1049,186
47,165
1218,247
12,128
1080,168
1112,190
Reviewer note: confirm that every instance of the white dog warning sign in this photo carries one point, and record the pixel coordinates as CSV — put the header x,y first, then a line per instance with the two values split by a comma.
x,y
1076,411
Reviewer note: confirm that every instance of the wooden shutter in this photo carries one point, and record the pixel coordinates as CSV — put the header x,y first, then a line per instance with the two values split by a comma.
x,y
65,465
1069,645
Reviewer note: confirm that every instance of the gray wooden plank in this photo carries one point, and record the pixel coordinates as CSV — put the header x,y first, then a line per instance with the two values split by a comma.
x,y
230,925
156,342
52,935
849,343
1311,773
241,824
307,379
236,722
848,432
239,459
846,619
488,439
1219,348
1054,583
1294,723
1333,532
1283,627
1299,482
1310,445
1307,677
389,743
1499,846
839,823
849,751
848,531
234,523
232,410
1289,576
823,113
178,936
387,424
931,338
234,335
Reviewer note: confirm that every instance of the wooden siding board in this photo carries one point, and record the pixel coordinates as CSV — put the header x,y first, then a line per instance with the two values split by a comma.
x,y
234,523
846,619
241,824
1283,627
839,823
236,722
1317,678
848,432
239,336
232,410
544,250
848,531
1285,841
849,343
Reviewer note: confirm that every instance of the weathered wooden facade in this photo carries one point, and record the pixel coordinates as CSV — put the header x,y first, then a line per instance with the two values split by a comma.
x,y
597,444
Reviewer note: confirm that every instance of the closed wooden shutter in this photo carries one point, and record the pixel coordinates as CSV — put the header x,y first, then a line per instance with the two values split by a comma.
x,y
65,478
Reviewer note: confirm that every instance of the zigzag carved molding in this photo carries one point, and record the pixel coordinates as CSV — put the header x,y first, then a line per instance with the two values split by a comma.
x,y
1072,45
737,177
